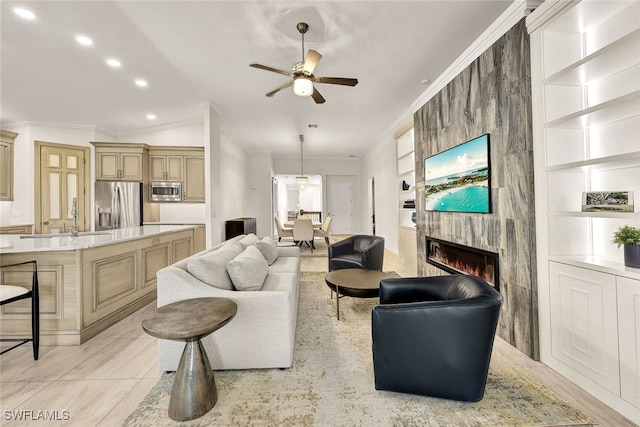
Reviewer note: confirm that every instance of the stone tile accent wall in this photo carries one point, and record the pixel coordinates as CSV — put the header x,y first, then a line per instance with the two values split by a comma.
x,y
492,95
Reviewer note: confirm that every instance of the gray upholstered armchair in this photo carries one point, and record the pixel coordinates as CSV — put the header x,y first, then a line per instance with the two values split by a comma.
x,y
433,336
357,251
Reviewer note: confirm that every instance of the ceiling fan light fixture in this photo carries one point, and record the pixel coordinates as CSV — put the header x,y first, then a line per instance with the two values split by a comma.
x,y
302,86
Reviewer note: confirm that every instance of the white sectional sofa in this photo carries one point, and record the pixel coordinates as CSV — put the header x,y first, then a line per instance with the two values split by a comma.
x,y
262,333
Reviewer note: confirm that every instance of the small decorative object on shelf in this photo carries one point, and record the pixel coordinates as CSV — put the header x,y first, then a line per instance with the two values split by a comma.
x,y
629,237
612,201
405,185
409,204
413,217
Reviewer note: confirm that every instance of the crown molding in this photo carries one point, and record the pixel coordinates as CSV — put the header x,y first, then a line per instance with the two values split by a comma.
x,y
76,126
547,12
510,17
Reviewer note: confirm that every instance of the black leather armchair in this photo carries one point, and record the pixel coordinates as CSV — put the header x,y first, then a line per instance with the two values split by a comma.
x,y
433,336
357,251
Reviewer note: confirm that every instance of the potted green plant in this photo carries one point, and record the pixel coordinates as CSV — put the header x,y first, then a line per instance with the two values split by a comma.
x,y
629,237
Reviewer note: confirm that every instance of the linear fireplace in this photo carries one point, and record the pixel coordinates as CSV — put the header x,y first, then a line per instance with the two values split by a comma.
x,y
455,258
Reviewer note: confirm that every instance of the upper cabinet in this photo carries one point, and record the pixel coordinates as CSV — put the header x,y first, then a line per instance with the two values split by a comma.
x,y
193,188
6,164
165,167
144,163
121,162
182,164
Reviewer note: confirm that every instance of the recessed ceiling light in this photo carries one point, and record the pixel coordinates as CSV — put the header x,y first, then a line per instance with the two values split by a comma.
x,y
113,63
84,40
425,81
141,83
151,116
24,13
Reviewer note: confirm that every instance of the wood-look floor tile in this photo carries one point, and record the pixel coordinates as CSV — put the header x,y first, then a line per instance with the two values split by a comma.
x,y
130,326
122,358
54,361
14,394
87,402
126,406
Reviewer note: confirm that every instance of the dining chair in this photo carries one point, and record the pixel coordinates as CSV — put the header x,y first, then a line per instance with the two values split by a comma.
x,y
303,232
325,230
12,289
282,231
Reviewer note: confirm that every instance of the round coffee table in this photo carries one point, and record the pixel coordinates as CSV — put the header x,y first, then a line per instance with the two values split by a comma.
x,y
194,390
355,282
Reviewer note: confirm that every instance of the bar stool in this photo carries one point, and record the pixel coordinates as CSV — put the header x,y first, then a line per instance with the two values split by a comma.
x,y
10,293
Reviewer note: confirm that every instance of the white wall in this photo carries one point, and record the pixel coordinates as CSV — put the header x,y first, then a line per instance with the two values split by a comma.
x,y
235,189
260,174
380,164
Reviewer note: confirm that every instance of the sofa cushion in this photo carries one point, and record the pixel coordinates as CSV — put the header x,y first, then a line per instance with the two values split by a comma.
x,y
285,264
268,249
248,270
211,267
249,240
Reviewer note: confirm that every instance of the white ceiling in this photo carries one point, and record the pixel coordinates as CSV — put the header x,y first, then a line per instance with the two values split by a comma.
x,y
194,52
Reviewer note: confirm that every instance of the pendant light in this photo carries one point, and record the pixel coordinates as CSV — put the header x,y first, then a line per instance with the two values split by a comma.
x,y
301,180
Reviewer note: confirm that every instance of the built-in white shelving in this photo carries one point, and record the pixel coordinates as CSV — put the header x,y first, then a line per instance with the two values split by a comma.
x,y
586,125
406,164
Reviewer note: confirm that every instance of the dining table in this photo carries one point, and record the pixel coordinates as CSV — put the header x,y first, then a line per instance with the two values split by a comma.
x,y
316,224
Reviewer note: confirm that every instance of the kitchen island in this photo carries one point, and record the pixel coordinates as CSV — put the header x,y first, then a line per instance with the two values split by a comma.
x,y
89,282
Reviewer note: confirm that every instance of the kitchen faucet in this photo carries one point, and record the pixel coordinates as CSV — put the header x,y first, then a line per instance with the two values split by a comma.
x,y
74,214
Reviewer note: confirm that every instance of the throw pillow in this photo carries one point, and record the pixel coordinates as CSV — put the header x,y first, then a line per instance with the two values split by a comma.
x,y
248,240
211,268
248,270
268,249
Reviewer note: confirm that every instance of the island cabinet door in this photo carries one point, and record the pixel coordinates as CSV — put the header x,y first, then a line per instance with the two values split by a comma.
x,y
162,251
110,278
154,258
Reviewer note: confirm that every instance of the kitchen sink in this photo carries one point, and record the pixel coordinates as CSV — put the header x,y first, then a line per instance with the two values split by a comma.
x,y
51,235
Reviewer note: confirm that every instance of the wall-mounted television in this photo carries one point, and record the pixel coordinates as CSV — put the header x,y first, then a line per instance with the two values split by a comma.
x,y
459,179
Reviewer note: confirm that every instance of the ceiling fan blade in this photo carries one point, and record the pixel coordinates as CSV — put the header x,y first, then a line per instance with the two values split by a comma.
x,y
275,70
312,59
317,97
336,81
280,89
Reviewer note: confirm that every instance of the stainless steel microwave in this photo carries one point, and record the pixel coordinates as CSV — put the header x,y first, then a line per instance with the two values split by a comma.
x,y
166,191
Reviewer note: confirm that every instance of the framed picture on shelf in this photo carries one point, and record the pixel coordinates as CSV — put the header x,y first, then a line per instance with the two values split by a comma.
x,y
609,201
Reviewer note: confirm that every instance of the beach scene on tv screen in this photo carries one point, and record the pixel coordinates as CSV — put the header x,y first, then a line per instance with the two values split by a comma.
x,y
457,180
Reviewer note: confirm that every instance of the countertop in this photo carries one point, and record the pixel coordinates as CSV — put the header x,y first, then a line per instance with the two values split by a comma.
x,y
15,243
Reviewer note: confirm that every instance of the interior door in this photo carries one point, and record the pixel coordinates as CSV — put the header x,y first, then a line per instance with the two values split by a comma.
x,y
341,207
62,173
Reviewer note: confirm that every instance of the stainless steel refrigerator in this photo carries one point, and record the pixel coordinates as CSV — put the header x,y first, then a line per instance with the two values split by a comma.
x,y
118,204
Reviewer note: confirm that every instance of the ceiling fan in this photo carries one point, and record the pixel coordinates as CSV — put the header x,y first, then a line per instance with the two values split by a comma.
x,y
302,74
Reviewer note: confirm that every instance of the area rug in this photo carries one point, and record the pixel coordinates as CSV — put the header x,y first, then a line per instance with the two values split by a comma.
x,y
331,384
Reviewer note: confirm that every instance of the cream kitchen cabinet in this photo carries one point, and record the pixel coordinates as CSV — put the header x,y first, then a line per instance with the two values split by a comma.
x,y
165,167
180,164
193,189
6,164
121,162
